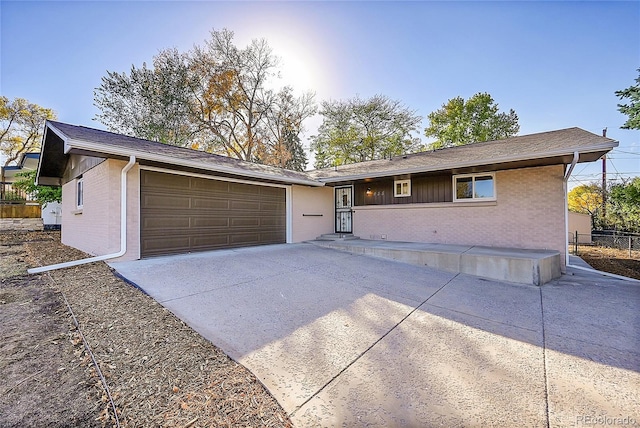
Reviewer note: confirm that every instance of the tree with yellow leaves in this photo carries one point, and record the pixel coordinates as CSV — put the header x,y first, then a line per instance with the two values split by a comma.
x,y
21,126
217,97
586,199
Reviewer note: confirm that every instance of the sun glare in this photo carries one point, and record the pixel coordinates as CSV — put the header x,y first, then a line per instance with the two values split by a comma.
x,y
298,47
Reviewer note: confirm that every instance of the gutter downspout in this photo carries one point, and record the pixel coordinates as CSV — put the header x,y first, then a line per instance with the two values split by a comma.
x,y
123,229
567,174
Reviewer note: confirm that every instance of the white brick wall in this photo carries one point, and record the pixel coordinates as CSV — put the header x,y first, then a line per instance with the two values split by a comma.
x,y
317,204
528,213
95,228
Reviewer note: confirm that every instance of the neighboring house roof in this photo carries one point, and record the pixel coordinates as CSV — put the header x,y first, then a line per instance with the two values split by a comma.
x,y
61,139
546,148
28,162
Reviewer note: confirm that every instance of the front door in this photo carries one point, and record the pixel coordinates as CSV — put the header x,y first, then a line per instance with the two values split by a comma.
x,y
344,202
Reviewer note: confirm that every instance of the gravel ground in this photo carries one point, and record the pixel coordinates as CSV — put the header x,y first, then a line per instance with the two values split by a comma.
x,y
158,370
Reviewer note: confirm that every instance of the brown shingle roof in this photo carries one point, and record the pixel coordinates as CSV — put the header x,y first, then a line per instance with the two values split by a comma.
x,y
553,147
546,148
109,143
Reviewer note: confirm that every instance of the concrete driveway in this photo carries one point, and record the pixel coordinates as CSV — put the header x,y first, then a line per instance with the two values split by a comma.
x,y
349,340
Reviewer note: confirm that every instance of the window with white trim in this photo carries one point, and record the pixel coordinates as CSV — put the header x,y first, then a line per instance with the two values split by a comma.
x,y
79,193
474,187
401,188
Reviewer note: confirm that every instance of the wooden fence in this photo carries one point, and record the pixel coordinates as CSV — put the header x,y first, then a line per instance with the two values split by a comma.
x,y
20,211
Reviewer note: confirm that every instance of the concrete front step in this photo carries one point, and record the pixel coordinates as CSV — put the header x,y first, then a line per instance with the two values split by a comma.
x,y
336,237
535,267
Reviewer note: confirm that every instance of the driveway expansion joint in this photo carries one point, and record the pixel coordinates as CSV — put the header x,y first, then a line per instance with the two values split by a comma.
x,y
370,347
544,361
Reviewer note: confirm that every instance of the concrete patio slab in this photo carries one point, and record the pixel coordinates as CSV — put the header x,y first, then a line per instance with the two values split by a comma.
x,y
534,267
346,339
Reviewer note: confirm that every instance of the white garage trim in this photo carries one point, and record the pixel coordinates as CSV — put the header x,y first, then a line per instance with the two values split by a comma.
x,y
289,214
210,177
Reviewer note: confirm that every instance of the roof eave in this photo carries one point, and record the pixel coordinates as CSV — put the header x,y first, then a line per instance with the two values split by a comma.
x,y
48,127
72,145
415,170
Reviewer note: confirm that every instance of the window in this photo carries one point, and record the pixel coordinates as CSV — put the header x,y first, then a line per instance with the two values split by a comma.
x,y
474,187
401,188
79,193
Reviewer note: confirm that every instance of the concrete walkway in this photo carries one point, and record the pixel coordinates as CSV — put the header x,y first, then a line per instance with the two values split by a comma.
x,y
345,339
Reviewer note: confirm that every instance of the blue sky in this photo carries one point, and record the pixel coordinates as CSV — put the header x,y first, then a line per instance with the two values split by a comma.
x,y
557,64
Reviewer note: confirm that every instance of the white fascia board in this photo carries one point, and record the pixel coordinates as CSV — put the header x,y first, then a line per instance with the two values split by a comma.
x,y
98,148
212,177
415,170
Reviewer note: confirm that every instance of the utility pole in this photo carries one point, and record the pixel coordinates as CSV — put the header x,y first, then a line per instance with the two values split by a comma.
x,y
604,181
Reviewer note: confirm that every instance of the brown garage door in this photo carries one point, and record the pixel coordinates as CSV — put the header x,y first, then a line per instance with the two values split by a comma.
x,y
180,214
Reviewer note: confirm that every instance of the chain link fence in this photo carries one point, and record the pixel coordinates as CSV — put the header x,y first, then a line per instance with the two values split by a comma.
x,y
605,239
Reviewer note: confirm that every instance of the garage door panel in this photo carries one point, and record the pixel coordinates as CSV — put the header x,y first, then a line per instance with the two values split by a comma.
x,y
245,238
271,222
245,222
183,214
241,205
274,192
165,222
212,203
272,206
244,189
158,201
198,184
165,181
210,241
208,222
159,245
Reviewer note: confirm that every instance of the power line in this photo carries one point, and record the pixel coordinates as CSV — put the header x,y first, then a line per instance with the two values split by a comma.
x,y
583,168
624,151
599,173
614,167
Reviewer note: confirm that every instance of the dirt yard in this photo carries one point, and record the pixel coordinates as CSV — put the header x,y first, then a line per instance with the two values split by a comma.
x,y
159,372
612,260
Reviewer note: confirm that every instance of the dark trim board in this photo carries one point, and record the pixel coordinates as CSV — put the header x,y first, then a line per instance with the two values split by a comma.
x,y
424,189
